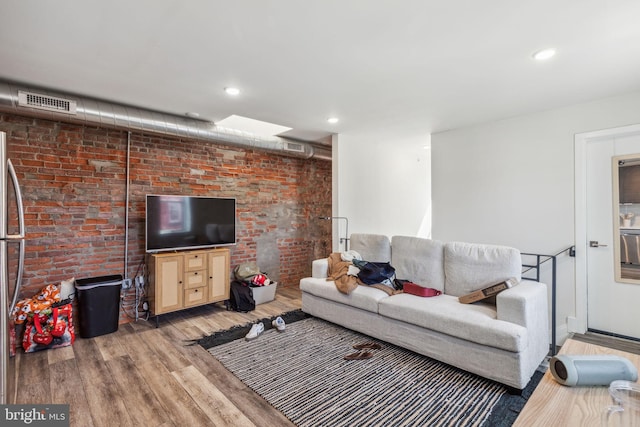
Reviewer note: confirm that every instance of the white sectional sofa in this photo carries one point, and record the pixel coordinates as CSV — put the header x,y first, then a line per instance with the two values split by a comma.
x,y
505,341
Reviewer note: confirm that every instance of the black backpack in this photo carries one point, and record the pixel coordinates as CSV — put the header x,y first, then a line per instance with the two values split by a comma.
x,y
241,297
372,273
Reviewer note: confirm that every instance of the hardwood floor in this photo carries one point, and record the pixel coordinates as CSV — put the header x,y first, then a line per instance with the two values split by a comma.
x,y
141,375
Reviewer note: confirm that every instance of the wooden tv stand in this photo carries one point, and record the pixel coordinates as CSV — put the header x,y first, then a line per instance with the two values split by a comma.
x,y
181,280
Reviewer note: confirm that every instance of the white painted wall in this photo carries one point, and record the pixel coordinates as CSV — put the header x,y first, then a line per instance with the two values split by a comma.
x,y
382,185
511,182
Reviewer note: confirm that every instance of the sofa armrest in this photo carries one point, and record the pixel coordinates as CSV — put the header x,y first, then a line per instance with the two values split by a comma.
x,y
525,305
320,268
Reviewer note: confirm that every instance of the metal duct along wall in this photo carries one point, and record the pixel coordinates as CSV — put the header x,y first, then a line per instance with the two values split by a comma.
x,y
41,103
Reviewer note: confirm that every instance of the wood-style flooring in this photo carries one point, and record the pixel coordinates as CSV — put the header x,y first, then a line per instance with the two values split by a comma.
x,y
143,376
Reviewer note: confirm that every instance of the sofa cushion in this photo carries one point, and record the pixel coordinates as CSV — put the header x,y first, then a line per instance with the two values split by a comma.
x,y
469,266
320,267
363,297
419,260
476,323
372,247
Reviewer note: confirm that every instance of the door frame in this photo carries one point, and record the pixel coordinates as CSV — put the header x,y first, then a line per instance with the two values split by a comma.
x,y
580,216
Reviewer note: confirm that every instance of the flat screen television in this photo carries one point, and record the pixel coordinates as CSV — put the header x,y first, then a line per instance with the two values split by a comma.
x,y
188,222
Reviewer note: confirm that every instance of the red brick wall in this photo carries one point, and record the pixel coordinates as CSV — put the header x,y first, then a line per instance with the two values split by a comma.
x,y
73,180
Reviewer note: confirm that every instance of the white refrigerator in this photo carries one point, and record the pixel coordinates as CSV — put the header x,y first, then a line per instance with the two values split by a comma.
x,y
11,267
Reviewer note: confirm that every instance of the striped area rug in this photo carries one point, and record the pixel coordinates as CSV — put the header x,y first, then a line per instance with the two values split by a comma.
x,y
302,373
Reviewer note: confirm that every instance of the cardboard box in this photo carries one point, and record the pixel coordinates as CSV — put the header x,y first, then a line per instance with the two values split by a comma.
x,y
491,291
262,294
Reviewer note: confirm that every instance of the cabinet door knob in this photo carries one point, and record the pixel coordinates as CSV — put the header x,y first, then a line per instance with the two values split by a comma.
x,y
195,274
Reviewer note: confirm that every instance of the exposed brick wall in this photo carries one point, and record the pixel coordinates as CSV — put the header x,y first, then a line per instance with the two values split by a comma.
x,y
73,180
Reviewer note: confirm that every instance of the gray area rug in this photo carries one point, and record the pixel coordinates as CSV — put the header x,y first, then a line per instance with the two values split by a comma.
x,y
302,373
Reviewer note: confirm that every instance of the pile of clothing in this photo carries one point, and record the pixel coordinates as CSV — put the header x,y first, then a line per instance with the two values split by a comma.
x,y
247,276
250,273
348,270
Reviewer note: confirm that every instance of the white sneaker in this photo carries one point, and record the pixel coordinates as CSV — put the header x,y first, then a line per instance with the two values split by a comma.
x,y
256,330
279,324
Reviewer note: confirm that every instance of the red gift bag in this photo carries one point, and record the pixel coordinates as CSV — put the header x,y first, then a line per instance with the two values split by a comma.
x,y
51,328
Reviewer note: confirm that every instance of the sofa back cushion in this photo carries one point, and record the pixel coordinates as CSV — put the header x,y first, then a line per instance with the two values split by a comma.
x,y
419,260
372,247
470,266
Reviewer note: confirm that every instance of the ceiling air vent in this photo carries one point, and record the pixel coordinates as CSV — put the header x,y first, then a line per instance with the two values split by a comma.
x,y
45,102
294,146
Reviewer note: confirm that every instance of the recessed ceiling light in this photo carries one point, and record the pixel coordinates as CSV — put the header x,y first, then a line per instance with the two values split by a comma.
x,y
543,54
232,91
333,120
192,115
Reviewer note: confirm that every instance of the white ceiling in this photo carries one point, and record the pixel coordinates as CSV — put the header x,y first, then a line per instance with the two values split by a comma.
x,y
384,67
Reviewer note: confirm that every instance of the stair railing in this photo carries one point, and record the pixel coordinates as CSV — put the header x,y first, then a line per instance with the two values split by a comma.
x,y
534,268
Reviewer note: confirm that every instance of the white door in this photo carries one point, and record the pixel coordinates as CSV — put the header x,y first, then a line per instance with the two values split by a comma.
x,y
613,305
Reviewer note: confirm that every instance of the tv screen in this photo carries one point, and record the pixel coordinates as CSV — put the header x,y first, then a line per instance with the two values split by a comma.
x,y
185,222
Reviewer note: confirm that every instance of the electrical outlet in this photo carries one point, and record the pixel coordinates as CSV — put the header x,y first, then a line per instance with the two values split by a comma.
x,y
126,283
145,306
139,281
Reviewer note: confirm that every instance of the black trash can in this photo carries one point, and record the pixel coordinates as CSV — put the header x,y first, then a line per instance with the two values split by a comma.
x,y
98,305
